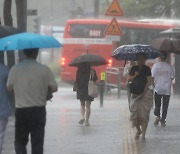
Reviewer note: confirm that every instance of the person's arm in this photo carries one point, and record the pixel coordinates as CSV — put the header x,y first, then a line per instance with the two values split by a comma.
x,y
132,77
172,73
95,76
52,84
126,71
10,81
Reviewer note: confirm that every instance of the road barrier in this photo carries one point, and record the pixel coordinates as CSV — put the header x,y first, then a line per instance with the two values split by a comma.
x,y
113,79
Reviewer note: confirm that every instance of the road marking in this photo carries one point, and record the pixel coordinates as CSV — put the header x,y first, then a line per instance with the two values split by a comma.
x,y
129,143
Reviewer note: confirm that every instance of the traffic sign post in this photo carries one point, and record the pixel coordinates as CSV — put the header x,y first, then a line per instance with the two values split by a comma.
x,y
114,9
113,31
113,28
101,88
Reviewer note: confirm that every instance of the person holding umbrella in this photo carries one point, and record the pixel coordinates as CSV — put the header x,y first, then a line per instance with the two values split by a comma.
x,y
141,102
32,84
126,71
82,80
84,74
140,80
163,74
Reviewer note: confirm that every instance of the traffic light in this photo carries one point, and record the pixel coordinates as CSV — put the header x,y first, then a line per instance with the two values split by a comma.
x,y
37,24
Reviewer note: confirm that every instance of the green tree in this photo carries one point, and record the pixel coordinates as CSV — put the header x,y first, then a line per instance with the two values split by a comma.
x,y
151,8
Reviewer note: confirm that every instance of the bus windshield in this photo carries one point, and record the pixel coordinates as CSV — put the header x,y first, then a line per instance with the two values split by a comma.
x,y
130,35
86,30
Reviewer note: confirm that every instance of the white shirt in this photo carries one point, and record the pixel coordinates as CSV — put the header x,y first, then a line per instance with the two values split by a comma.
x,y
163,74
126,70
30,81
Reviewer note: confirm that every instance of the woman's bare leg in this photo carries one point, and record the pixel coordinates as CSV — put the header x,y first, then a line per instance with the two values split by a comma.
x,y
82,112
144,128
139,131
88,112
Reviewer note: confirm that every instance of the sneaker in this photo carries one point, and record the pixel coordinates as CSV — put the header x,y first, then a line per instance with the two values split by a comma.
x,y
156,122
81,122
163,123
87,124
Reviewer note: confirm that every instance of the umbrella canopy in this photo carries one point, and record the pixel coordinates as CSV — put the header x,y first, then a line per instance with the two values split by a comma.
x,y
91,59
129,52
7,30
171,45
28,41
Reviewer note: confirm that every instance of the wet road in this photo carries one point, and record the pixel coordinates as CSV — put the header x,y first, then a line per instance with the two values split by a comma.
x,y
110,131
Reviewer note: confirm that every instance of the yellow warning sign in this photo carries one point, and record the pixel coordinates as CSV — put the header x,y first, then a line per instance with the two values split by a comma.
x,y
113,28
103,76
114,9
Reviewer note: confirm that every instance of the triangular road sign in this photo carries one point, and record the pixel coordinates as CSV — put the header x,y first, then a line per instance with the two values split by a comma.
x,y
113,28
114,9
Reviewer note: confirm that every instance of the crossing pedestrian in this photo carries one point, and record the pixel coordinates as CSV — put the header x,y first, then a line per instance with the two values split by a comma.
x,y
30,82
141,96
163,74
5,109
82,80
126,71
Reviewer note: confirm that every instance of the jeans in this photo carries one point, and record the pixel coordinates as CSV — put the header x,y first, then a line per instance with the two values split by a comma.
x,y
3,123
164,100
30,121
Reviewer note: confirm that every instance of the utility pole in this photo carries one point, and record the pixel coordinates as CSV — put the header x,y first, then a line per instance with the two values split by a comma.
x,y
21,9
96,8
9,22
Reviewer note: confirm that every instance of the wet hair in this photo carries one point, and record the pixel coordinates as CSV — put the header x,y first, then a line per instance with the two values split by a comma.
x,y
31,53
141,54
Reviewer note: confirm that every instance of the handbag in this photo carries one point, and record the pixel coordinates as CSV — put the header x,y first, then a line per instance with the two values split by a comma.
x,y
92,87
75,86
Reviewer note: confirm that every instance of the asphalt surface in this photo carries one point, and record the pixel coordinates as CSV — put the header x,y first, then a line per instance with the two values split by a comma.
x,y
110,131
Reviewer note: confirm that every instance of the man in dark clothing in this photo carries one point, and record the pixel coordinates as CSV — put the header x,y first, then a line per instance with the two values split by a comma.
x,y
30,82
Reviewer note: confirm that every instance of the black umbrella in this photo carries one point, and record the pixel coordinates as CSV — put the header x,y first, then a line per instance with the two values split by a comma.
x,y
7,30
169,44
93,60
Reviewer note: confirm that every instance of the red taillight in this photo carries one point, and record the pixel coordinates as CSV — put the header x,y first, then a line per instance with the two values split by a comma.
x,y
110,62
63,61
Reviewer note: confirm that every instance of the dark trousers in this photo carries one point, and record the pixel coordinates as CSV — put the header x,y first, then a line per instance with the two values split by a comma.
x,y
30,121
164,100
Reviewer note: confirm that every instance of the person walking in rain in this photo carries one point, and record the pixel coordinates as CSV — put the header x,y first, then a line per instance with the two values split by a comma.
x,y
163,74
82,80
30,82
5,109
126,71
142,96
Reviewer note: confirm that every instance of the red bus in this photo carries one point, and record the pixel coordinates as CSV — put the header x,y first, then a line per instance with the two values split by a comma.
x,y
87,35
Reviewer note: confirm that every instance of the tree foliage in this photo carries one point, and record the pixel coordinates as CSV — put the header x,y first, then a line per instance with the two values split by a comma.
x,y
151,8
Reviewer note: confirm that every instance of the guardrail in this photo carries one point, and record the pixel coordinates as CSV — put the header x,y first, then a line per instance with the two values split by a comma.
x,y
113,79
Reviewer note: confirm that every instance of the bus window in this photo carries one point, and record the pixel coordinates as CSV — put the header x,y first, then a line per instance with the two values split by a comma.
x,y
137,36
87,31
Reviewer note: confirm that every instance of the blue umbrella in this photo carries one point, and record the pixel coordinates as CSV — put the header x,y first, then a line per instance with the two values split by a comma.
x,y
129,52
28,41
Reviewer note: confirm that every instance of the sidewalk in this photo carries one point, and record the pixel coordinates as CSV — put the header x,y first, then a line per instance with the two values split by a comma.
x,y
110,131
